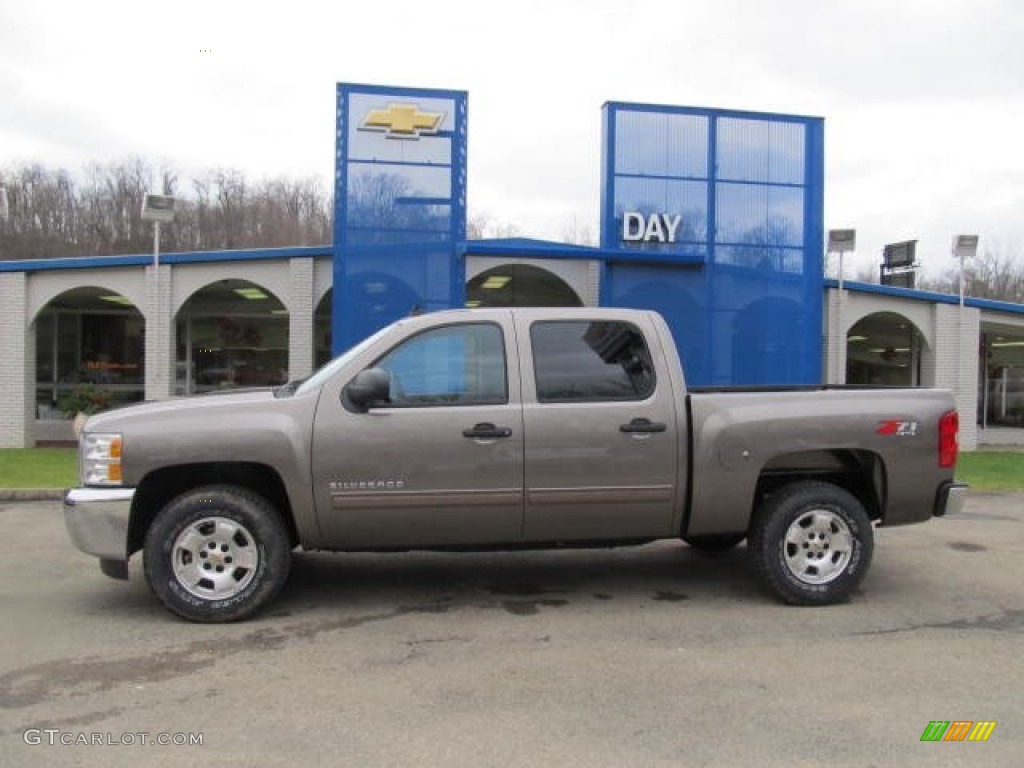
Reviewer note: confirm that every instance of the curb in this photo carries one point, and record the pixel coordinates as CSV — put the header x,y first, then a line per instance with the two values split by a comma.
x,y
31,494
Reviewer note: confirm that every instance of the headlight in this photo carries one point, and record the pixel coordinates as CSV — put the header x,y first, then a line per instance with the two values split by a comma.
x,y
101,459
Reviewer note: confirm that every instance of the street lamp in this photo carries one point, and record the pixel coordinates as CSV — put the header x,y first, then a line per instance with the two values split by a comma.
x,y
964,247
157,208
841,241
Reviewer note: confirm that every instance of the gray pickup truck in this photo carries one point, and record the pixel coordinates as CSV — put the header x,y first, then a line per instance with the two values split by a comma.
x,y
506,428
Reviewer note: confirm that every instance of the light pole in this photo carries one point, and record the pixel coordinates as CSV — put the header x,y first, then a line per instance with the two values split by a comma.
x,y
157,208
964,247
841,241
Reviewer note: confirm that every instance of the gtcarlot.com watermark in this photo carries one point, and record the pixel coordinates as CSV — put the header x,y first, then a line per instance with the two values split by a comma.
x,y
55,737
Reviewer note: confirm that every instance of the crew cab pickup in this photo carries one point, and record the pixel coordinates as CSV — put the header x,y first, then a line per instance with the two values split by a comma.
x,y
506,428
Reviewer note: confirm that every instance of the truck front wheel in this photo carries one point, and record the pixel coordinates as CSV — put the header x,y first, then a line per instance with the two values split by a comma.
x,y
217,554
811,543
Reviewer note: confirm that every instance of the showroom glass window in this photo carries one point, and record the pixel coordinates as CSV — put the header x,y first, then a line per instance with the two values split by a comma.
x,y
229,334
88,350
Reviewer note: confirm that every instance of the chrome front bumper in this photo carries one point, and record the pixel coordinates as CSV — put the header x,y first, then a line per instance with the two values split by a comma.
x,y
97,520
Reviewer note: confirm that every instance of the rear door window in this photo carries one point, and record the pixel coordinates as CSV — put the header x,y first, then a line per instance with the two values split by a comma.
x,y
590,361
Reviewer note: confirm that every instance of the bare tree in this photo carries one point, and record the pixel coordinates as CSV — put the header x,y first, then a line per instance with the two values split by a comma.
x,y
41,216
50,214
481,226
579,235
996,273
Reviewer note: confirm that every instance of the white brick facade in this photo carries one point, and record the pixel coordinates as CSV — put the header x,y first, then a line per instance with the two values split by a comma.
x,y
17,374
956,363
158,294
301,303
948,357
159,332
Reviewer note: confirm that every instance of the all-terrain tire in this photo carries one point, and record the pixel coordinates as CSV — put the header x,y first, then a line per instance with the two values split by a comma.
x,y
811,543
218,553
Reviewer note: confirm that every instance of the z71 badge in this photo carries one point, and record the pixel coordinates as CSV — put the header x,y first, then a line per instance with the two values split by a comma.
x,y
898,428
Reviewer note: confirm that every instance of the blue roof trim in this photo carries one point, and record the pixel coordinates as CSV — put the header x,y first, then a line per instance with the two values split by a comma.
x,y
141,260
251,254
938,298
73,262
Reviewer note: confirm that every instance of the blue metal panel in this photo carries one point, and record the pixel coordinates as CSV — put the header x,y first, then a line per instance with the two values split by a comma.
x,y
746,191
759,214
662,143
679,294
609,140
765,150
399,206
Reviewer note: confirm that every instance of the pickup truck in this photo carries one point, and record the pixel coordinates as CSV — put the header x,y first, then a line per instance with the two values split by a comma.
x,y
506,428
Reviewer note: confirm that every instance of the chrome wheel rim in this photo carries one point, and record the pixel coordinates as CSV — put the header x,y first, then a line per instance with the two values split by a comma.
x,y
818,546
215,558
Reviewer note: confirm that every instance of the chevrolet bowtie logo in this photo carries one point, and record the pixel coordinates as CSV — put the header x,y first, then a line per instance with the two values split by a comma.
x,y
402,121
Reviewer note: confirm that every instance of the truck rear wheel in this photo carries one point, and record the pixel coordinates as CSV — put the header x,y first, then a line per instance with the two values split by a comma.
x,y
217,554
811,543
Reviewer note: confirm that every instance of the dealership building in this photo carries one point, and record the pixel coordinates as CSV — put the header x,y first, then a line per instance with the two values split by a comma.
x,y
715,218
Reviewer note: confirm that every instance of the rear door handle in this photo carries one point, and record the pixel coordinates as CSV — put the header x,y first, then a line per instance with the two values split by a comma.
x,y
486,430
642,426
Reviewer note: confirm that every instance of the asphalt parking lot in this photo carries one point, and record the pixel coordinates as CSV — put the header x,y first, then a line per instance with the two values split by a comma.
x,y
645,656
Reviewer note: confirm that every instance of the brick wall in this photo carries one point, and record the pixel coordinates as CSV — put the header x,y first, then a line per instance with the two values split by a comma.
x,y
956,363
159,333
948,361
17,403
301,306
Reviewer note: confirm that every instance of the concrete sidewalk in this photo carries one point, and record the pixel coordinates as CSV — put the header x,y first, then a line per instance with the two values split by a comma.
x,y
31,494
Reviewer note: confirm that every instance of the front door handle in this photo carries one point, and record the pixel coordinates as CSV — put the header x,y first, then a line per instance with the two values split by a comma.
x,y
486,430
642,426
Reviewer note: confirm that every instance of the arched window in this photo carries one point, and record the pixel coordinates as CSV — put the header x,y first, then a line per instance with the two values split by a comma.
x,y
519,285
884,348
232,333
89,352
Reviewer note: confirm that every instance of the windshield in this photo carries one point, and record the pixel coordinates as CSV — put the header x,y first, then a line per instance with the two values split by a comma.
x,y
317,379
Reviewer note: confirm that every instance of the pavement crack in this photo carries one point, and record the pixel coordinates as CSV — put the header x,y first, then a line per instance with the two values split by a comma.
x,y
1007,621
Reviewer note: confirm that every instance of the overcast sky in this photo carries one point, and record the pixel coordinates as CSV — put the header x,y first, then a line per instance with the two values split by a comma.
x,y
923,100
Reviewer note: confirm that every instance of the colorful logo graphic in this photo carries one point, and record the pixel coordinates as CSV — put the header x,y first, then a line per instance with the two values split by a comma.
x,y
402,121
898,428
958,730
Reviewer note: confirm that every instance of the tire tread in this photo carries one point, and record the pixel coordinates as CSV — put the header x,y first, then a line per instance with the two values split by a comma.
x,y
261,515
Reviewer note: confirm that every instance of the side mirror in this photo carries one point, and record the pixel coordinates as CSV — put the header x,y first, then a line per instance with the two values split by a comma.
x,y
368,388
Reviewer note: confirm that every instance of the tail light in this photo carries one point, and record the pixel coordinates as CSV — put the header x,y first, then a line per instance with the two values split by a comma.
x,y
949,425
